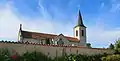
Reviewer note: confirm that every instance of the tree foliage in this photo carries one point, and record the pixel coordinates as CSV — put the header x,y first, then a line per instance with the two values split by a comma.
x,y
5,55
88,45
117,47
117,44
111,46
111,58
38,56
34,56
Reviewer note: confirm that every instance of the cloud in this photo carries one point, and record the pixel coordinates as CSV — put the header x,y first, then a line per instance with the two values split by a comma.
x,y
115,7
10,20
101,36
44,11
102,5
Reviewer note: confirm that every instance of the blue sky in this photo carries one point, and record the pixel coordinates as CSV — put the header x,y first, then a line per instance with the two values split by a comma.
x,y
102,18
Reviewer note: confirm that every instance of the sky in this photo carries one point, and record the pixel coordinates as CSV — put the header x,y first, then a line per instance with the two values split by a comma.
x,y
101,17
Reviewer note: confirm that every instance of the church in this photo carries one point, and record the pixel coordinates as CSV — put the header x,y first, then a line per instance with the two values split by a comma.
x,y
78,39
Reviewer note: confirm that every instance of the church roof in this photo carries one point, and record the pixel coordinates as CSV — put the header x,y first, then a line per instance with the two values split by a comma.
x,y
36,35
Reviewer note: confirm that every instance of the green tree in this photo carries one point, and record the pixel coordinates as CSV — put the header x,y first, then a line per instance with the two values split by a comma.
x,y
88,45
111,46
117,44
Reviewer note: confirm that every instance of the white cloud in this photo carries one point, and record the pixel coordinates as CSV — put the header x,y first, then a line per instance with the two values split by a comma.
x,y
102,5
9,26
9,23
100,36
115,7
44,12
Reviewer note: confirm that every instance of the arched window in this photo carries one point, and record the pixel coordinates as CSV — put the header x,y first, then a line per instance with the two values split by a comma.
x,y
76,32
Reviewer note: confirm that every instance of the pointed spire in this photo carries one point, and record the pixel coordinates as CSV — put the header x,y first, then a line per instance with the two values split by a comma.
x,y
20,27
80,22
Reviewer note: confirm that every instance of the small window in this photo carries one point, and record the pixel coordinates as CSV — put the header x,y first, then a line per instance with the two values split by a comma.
x,y
82,32
76,33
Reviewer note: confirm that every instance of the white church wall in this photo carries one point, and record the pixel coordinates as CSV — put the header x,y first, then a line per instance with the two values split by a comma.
x,y
66,42
77,28
74,43
80,37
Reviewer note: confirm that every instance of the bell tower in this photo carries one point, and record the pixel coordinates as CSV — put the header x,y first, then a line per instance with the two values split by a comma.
x,y
80,30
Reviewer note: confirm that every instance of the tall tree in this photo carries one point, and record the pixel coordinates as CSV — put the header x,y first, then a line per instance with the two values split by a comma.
x,y
111,46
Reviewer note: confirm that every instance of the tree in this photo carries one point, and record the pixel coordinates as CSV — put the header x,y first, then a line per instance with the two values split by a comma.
x,y
88,45
117,47
111,46
117,44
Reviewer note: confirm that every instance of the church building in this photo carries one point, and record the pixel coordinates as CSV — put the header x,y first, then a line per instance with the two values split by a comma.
x,y
78,39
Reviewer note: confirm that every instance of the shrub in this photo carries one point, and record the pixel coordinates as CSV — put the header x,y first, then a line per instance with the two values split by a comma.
x,y
5,55
111,58
35,56
38,56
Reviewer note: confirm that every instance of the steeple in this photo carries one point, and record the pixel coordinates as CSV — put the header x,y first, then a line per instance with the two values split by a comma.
x,y
79,21
80,30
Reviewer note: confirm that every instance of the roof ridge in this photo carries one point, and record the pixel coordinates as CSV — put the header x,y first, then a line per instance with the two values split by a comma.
x,y
47,33
40,32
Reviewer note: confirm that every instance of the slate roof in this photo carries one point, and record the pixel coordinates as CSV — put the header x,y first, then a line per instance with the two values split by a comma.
x,y
36,35
80,21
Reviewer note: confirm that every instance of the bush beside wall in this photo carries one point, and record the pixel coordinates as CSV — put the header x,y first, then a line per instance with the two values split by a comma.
x,y
38,56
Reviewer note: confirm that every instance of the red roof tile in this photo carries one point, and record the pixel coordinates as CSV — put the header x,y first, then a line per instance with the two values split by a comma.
x,y
27,34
